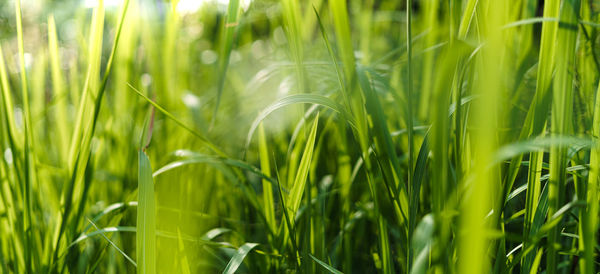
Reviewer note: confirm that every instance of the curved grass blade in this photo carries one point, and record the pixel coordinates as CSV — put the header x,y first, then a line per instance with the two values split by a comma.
x,y
113,244
295,196
202,138
238,258
326,266
297,99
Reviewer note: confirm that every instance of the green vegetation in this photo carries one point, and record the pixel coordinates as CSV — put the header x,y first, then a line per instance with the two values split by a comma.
x,y
283,136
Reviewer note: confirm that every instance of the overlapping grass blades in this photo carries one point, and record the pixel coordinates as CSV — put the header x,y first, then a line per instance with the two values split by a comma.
x,y
287,136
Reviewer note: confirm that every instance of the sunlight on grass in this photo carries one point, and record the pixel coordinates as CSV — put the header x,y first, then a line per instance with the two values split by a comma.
x,y
285,136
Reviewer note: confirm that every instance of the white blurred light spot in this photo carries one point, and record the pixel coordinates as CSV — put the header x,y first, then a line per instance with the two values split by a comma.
x,y
235,56
8,156
191,100
28,58
146,79
208,57
258,49
107,3
191,6
19,117
285,86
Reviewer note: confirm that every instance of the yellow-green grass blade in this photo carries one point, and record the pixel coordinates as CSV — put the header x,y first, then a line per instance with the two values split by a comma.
x,y
338,8
292,19
146,218
589,220
295,196
536,120
229,28
268,201
80,154
29,172
297,99
562,109
8,101
338,70
482,192
431,18
59,92
91,82
112,243
200,136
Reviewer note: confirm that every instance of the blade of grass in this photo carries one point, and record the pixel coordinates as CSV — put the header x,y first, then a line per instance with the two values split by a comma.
x,y
29,173
589,221
146,218
269,204
59,91
238,258
326,266
297,190
562,108
112,243
229,29
409,119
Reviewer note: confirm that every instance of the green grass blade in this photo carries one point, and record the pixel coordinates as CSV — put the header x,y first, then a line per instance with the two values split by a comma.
x,y
562,108
112,243
146,218
59,91
229,29
238,258
29,173
269,204
326,266
295,196
589,221
297,99
409,122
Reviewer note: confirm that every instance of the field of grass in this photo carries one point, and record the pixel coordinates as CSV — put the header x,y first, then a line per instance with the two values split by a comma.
x,y
285,136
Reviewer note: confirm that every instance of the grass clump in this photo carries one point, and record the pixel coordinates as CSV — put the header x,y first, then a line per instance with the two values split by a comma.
x,y
327,136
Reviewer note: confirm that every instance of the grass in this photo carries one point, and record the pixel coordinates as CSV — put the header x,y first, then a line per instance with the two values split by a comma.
x,y
273,136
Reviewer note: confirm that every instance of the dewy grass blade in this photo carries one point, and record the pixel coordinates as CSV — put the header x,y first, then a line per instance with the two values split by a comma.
x,y
146,218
